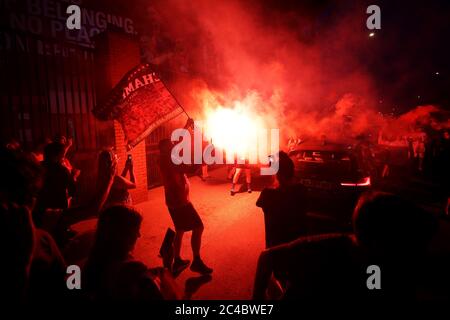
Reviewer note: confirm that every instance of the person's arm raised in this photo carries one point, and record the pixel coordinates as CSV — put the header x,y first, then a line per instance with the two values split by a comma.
x,y
129,165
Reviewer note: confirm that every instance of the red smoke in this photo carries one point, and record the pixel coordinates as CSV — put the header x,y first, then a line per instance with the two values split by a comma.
x,y
305,80
419,119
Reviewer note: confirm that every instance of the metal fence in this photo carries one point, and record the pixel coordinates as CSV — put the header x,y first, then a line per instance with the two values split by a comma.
x,y
47,89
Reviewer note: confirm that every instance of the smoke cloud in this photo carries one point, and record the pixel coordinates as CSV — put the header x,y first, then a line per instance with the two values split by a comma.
x,y
303,71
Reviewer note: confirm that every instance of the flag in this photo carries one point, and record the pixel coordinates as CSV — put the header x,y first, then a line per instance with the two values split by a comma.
x,y
140,102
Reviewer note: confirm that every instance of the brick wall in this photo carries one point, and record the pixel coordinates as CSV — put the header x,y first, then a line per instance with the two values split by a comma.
x,y
116,54
140,194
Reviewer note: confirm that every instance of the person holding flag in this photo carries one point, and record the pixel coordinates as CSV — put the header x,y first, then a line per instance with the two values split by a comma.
x,y
184,216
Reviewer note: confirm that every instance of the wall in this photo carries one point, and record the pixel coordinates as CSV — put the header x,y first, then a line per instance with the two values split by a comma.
x,y
116,54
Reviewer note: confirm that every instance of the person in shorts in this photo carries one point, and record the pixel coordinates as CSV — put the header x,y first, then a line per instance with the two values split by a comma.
x,y
184,216
242,165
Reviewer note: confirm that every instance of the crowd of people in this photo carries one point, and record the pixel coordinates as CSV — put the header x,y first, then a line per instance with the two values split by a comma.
x,y
37,215
427,152
388,232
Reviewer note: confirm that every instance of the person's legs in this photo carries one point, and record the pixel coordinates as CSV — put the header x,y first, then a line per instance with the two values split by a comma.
x,y
178,263
205,171
248,179
197,264
196,241
236,176
231,172
177,243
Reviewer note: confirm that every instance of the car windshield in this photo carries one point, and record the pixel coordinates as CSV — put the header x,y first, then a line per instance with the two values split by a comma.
x,y
327,165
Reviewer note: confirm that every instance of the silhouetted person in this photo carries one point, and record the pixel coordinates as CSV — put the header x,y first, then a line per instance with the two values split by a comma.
x,y
111,273
231,169
310,268
242,167
59,183
32,267
182,212
388,232
17,244
68,142
58,221
206,147
285,206
394,235
119,193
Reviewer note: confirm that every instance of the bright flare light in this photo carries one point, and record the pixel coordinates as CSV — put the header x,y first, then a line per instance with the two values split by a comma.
x,y
233,130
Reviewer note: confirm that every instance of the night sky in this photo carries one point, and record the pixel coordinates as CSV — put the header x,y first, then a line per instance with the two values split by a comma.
x,y
402,58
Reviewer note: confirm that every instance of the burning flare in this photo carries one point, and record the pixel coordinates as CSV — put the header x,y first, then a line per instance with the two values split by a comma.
x,y
234,130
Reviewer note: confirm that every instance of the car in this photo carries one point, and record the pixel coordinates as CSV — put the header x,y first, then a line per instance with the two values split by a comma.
x,y
335,175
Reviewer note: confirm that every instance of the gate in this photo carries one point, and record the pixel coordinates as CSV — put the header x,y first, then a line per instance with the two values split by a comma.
x,y
47,89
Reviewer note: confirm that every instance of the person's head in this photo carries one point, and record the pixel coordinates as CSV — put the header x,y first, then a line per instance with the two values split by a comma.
x,y
20,178
165,147
19,184
387,225
117,231
286,168
54,152
106,159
